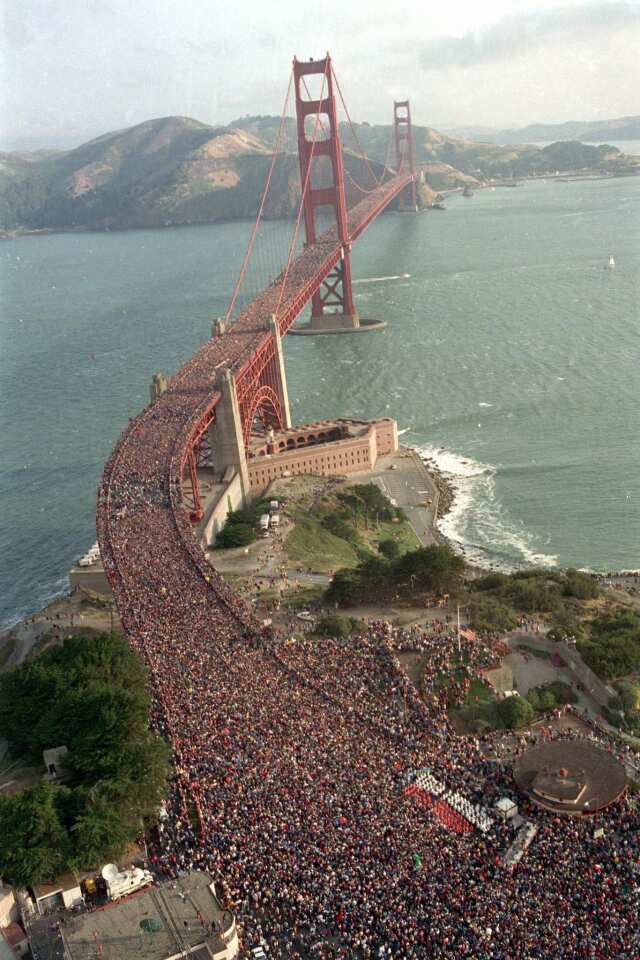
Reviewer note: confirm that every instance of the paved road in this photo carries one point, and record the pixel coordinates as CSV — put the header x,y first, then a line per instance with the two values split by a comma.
x,y
410,486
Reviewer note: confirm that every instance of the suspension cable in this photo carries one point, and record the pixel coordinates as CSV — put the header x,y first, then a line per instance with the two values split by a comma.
x,y
265,191
353,131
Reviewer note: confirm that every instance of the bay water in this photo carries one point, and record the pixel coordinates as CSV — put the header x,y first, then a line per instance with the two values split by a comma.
x,y
511,357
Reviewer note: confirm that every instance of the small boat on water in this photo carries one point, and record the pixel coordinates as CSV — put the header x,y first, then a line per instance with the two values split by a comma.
x,y
467,192
611,265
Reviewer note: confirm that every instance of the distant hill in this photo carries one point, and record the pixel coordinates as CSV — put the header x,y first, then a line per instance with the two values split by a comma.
x,y
594,131
465,158
176,170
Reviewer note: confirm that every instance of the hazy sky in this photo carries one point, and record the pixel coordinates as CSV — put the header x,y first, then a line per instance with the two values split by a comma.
x,y
73,69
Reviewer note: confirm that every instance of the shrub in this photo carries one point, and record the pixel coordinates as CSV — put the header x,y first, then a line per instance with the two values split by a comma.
x,y
344,588
515,712
580,585
493,581
629,693
235,535
435,567
334,625
366,501
340,528
487,614
613,649
389,549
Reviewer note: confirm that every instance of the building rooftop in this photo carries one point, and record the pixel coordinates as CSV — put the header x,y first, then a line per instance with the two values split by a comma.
x,y
570,776
160,922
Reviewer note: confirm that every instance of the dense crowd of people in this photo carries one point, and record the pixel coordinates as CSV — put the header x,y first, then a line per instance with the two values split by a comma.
x,y
292,759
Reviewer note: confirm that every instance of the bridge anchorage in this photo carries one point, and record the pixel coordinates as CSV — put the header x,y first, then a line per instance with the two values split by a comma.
x,y
226,405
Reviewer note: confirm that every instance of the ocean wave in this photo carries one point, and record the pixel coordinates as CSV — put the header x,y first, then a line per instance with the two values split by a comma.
x,y
398,276
477,522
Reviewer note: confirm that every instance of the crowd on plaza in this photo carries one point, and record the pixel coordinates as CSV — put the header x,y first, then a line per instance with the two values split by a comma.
x,y
292,759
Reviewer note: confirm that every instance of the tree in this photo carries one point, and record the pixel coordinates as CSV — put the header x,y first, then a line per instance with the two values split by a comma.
x,y
486,613
89,694
435,567
103,829
389,549
580,585
629,692
515,712
344,588
34,845
334,625
235,535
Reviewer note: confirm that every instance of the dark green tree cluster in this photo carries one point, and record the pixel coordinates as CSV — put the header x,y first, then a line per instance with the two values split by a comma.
x,y
241,527
488,614
337,525
336,625
613,646
366,503
551,695
497,598
434,568
89,695
515,712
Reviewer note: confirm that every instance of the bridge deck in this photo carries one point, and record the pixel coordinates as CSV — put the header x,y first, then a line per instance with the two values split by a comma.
x,y
163,586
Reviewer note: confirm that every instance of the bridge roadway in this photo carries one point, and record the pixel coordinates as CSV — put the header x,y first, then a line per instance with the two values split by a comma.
x,y
138,513
163,587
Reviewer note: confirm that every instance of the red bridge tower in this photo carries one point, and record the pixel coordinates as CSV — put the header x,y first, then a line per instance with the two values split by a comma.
x,y
332,305
405,154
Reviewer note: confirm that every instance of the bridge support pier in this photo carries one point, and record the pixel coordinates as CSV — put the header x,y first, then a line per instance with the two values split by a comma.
x,y
225,434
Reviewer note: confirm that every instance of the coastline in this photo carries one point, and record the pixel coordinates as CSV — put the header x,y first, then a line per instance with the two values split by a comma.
x,y
569,176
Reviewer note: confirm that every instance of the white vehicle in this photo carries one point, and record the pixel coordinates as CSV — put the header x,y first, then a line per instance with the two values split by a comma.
x,y
264,522
274,506
275,519
121,882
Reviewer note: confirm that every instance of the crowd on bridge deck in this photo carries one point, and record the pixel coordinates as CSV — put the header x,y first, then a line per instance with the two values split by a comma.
x,y
296,757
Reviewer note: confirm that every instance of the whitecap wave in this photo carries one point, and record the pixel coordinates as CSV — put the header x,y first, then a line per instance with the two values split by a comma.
x,y
398,276
478,524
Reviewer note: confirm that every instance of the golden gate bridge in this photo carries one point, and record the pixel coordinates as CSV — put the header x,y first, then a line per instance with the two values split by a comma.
x,y
149,502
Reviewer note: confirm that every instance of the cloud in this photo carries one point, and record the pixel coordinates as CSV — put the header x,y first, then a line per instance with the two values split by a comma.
x,y
521,34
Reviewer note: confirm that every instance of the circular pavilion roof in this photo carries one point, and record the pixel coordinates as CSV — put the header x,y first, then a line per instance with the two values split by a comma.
x,y
570,776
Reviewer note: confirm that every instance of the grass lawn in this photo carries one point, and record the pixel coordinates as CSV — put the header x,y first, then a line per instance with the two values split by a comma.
x,y
478,689
401,532
479,711
310,545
